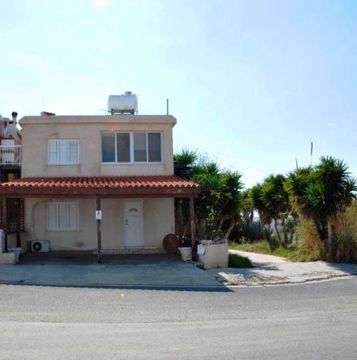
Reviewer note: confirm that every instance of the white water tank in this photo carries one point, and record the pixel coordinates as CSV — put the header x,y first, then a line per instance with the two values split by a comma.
x,y
123,104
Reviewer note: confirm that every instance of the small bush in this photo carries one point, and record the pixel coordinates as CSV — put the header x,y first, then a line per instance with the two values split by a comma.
x,y
308,241
345,238
237,261
292,253
249,232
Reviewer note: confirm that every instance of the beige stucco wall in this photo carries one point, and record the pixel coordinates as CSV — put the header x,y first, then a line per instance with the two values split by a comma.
x,y
158,221
158,214
37,130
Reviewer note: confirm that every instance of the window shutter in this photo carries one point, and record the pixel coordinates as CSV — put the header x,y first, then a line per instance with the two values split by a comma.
x,y
63,215
73,151
52,216
52,151
73,212
63,151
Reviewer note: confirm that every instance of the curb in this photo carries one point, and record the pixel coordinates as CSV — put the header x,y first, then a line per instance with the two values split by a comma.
x,y
246,282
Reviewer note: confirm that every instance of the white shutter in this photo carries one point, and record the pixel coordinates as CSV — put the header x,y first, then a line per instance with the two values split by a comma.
x,y
53,151
63,216
73,215
52,216
73,151
63,151
62,159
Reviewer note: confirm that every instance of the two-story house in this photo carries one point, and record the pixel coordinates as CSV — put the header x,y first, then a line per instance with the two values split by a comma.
x,y
98,183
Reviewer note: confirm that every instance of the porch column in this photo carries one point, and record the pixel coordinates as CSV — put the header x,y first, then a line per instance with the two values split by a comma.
x,y
193,229
4,219
99,231
18,223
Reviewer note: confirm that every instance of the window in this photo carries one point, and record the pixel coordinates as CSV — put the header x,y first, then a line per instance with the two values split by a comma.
x,y
63,152
141,147
123,147
154,146
108,148
63,216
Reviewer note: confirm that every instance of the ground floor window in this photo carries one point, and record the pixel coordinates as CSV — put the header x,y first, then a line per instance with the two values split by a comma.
x,y
63,216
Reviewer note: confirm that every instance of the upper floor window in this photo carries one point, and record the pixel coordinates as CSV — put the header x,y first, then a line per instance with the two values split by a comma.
x,y
138,147
63,151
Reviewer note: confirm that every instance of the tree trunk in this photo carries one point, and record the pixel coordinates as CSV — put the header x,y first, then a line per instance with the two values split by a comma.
x,y
277,231
220,225
285,233
330,240
230,228
292,231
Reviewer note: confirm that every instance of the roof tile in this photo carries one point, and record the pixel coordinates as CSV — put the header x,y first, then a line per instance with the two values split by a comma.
x,y
88,184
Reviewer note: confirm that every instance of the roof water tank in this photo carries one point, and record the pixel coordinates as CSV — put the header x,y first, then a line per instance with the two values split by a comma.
x,y
123,104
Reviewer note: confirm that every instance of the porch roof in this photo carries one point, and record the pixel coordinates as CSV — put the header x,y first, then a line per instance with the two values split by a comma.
x,y
100,186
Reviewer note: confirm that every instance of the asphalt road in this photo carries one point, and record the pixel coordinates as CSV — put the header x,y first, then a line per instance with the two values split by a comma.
x,y
311,321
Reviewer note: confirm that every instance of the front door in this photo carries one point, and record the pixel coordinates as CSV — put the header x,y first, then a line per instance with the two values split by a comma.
x,y
134,224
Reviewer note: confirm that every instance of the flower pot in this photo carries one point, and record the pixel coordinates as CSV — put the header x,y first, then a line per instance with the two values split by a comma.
x,y
186,253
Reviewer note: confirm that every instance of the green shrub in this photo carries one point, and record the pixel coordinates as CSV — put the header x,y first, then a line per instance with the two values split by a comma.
x,y
237,261
248,232
308,241
345,237
292,252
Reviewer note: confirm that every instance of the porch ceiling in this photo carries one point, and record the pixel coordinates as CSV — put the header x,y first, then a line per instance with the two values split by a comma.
x,y
100,186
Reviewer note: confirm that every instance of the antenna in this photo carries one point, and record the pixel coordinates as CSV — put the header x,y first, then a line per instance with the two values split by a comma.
x,y
167,107
311,152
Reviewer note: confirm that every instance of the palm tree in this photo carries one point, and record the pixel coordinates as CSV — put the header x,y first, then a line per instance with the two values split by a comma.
x,y
321,192
276,201
272,202
331,192
183,167
218,205
231,208
183,163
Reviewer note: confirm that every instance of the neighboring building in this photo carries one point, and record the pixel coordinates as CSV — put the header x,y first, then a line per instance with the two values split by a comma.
x,y
10,169
98,183
10,149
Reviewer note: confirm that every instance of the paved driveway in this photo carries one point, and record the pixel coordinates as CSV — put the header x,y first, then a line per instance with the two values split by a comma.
x,y
162,272
124,271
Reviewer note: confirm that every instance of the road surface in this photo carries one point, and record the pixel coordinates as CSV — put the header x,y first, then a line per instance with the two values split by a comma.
x,y
309,321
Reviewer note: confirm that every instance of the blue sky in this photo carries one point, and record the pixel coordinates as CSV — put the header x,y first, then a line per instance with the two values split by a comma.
x,y
251,83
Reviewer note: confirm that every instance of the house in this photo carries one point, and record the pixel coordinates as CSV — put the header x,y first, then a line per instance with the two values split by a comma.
x,y
97,183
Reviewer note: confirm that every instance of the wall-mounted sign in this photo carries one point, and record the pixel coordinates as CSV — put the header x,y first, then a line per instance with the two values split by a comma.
x,y
98,214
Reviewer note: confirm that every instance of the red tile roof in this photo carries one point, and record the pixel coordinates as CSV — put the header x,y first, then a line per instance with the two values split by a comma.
x,y
105,186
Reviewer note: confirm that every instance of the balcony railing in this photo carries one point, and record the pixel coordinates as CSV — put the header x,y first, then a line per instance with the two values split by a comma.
x,y
10,155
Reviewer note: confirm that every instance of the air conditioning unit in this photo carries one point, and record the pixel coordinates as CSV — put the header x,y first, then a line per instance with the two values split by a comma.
x,y
40,246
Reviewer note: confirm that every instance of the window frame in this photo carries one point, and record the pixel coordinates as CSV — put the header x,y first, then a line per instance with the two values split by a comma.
x,y
131,145
67,143
58,204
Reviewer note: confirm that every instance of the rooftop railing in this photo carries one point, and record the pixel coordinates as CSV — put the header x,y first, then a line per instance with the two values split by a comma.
x,y
10,155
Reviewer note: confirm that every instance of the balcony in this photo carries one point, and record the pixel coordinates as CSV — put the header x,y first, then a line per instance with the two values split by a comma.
x,y
10,155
